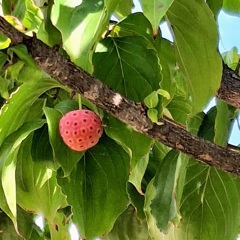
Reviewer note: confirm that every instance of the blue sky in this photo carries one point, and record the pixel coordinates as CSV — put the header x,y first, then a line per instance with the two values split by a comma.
x,y
229,27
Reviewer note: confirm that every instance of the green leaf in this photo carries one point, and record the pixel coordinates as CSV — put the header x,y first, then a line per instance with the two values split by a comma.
x,y
41,148
7,228
126,64
135,144
47,32
20,102
155,10
4,41
206,129
137,200
122,231
167,58
66,106
164,204
37,188
22,52
153,115
210,204
8,158
25,223
3,59
4,85
86,23
134,25
215,6
123,9
231,58
28,14
196,48
151,101
223,123
95,186
180,109
231,6
195,122
66,157
164,93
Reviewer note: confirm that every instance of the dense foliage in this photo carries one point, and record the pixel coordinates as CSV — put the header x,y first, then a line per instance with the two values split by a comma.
x,y
128,186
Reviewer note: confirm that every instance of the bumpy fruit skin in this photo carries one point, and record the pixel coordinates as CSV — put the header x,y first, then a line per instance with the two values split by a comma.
x,y
80,129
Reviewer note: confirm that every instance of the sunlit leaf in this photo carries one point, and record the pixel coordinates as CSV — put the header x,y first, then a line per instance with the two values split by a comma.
x,y
126,64
18,106
135,24
28,14
86,23
4,41
196,48
231,58
155,10
123,9
151,101
231,6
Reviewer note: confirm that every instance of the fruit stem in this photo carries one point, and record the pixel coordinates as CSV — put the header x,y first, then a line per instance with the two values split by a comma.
x,y
79,101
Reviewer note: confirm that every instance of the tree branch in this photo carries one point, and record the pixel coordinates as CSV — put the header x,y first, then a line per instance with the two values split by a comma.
x,y
229,90
129,112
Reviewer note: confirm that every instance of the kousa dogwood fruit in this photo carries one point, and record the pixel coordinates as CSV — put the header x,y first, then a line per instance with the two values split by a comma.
x,y
80,129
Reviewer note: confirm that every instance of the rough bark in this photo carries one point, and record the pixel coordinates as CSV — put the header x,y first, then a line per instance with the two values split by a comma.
x,y
229,90
129,112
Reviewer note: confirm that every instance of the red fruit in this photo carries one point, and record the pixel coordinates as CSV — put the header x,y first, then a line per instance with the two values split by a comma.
x,y
80,129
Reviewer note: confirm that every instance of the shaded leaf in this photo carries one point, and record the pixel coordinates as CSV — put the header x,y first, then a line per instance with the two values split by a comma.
x,y
41,147
134,143
164,204
196,48
223,123
128,226
137,200
37,188
215,6
66,157
95,185
8,158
